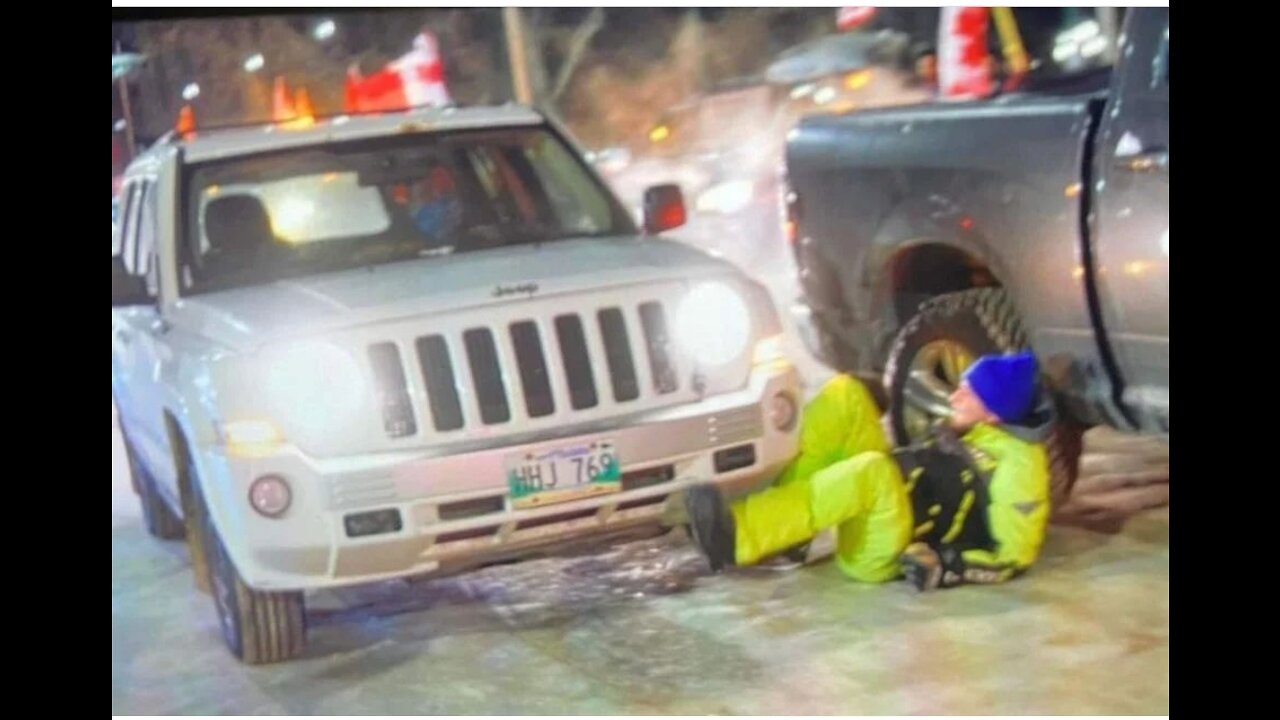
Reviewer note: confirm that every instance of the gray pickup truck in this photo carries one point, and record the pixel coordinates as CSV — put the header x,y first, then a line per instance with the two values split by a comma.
x,y
928,235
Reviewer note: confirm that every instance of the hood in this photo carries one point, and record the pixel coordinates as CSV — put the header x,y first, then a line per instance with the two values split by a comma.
x,y
247,317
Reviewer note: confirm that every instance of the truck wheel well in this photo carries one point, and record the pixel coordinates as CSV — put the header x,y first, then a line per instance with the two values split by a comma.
x,y
922,272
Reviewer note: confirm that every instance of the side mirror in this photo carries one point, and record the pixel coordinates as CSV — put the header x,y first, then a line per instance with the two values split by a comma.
x,y
127,289
663,208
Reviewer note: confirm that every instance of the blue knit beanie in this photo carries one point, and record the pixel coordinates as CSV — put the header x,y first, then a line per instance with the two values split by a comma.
x,y
1006,384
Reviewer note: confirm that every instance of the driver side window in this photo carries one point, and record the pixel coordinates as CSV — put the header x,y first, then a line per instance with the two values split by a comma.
x,y
568,189
129,225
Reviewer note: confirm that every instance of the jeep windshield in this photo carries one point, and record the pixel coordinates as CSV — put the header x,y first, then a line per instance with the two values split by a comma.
x,y
257,219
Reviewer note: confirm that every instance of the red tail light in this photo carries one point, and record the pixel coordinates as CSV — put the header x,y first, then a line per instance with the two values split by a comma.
x,y
671,216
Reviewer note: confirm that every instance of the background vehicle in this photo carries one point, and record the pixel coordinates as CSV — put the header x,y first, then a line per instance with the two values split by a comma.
x,y
726,146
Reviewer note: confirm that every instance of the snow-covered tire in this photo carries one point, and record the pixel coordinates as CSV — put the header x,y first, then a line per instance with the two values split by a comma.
x,y
960,327
258,627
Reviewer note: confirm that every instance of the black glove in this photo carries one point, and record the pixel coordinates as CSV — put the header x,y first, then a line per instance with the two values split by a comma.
x,y
955,571
922,566
947,439
952,567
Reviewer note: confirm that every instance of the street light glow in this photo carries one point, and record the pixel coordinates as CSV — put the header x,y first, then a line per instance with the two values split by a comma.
x,y
325,30
1093,47
1084,31
1063,52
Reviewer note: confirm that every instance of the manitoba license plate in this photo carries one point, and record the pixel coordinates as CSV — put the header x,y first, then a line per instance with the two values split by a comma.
x,y
564,473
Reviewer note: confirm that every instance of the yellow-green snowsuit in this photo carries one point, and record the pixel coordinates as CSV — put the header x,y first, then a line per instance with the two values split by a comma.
x,y
846,476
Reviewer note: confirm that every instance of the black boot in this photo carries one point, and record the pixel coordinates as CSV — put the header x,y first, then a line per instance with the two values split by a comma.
x,y
797,554
711,525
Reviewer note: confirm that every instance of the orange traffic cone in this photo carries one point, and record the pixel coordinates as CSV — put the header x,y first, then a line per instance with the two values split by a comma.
x,y
282,109
302,104
304,115
186,121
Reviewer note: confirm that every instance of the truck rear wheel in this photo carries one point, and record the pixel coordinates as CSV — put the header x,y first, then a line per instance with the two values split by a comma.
x,y
258,627
932,350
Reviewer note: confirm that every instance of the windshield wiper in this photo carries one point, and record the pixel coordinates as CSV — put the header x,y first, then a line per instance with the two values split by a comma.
x,y
533,233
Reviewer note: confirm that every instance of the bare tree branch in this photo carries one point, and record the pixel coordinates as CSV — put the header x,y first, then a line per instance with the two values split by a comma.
x,y
577,46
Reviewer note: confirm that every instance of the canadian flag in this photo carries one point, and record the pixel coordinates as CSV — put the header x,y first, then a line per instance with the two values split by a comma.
x,y
848,18
964,65
413,80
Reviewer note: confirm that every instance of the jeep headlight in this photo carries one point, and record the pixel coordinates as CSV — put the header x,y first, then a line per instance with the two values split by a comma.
x,y
713,324
312,386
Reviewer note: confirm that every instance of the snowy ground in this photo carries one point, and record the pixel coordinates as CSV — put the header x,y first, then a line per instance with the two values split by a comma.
x,y
640,628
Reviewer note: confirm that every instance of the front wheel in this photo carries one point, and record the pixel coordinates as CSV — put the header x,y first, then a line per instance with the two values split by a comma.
x,y
934,348
258,627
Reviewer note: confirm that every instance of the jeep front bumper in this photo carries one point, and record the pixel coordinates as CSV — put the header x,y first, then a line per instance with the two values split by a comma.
x,y
453,511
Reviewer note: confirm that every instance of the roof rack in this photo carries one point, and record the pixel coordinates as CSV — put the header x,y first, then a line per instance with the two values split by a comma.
x,y
173,135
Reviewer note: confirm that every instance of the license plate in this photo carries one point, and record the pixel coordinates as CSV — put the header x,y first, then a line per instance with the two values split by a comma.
x,y
563,473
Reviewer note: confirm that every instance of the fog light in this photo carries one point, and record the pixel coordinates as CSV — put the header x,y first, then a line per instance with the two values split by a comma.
x,y
372,523
270,495
782,411
734,458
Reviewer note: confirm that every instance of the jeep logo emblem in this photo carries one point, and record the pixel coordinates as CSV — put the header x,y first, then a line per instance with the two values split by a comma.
x,y
527,289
